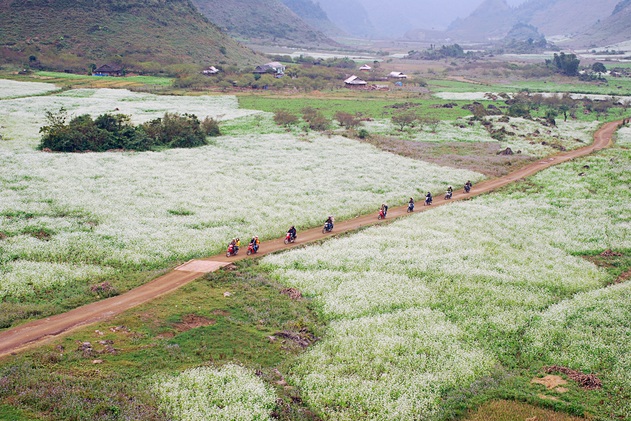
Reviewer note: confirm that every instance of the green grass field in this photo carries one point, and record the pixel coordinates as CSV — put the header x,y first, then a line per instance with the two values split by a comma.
x,y
370,107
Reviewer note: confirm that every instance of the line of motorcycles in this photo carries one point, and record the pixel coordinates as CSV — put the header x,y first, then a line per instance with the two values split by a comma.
x,y
328,226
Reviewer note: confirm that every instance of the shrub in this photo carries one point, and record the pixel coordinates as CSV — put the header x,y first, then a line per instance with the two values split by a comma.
x,y
285,118
211,127
115,131
348,120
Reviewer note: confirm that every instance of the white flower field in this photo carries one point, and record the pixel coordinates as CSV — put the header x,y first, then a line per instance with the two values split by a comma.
x,y
430,303
15,89
230,393
417,311
107,211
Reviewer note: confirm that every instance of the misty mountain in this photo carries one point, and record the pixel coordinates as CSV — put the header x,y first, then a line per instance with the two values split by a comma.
x,y
313,14
350,16
613,29
267,20
494,18
61,34
564,17
375,18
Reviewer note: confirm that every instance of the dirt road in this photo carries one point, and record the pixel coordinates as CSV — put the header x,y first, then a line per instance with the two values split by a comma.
x,y
39,331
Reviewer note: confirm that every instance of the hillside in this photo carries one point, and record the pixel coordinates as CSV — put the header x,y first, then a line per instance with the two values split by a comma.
x,y
350,16
564,17
149,34
262,20
314,15
491,20
613,29
494,18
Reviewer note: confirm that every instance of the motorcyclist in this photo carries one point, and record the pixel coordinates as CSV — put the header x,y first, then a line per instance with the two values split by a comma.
x,y
292,231
384,208
428,198
329,221
450,192
467,186
255,243
237,244
411,204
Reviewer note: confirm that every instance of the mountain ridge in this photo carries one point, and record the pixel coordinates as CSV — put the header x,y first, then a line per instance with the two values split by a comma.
x,y
142,34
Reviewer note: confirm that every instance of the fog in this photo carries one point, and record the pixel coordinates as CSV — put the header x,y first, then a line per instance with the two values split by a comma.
x,y
395,17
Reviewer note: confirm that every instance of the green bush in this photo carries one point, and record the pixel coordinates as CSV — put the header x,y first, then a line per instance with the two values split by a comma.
x,y
115,131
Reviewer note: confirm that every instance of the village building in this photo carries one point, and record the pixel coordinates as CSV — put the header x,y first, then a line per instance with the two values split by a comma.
x,y
397,75
212,70
365,68
108,70
354,82
278,69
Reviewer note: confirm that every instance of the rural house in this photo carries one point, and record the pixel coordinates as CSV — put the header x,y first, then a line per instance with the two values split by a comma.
x,y
274,67
108,70
397,75
365,68
354,81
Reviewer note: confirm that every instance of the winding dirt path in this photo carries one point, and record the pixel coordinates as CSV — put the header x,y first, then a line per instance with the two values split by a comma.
x,y
39,331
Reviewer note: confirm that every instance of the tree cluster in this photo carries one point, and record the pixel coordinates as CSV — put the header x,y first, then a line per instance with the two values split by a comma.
x,y
566,64
115,131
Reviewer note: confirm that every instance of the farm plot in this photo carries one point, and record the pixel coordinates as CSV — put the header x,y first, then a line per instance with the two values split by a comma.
x,y
15,89
69,218
230,393
421,308
529,137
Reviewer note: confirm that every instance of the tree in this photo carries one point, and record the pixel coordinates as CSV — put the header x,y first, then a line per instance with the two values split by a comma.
x,y
598,67
285,118
566,64
348,120
404,119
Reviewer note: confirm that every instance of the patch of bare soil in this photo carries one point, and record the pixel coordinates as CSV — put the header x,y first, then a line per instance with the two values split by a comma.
x,y
221,313
586,381
623,277
610,253
191,321
502,410
549,381
481,157
292,339
292,293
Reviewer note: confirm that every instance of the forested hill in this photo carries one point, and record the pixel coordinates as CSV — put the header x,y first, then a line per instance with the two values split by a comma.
x,y
72,34
263,20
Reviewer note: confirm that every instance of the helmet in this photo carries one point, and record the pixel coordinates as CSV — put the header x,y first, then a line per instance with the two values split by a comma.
x,y
256,236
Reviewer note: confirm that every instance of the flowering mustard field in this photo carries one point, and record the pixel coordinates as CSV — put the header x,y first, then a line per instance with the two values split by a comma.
x,y
79,217
230,393
14,89
423,307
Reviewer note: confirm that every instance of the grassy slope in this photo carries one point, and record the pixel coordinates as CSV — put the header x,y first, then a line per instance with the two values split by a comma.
x,y
65,384
71,35
261,20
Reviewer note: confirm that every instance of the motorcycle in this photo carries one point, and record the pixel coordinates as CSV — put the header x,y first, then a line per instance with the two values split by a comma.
x,y
252,249
232,250
428,200
289,238
328,227
382,214
410,207
448,195
467,188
